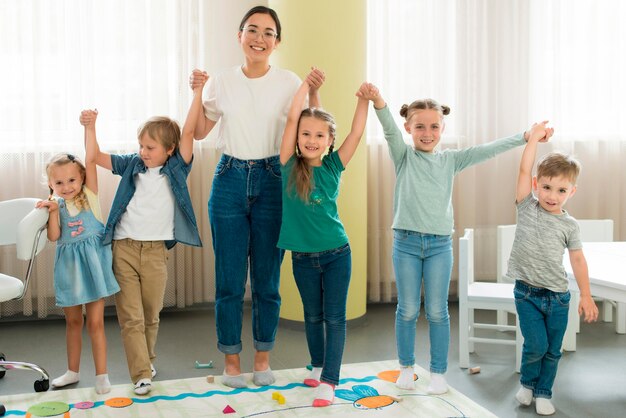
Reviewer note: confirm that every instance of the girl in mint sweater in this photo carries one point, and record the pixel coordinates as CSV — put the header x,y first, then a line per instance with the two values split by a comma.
x,y
423,224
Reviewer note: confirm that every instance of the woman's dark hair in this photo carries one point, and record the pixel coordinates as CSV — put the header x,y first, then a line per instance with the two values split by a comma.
x,y
262,10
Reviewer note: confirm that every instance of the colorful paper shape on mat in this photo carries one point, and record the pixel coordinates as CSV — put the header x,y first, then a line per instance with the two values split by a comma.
x,y
365,397
84,405
48,409
228,410
118,402
392,375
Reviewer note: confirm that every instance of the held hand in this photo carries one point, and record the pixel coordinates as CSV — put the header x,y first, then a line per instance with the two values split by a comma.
x,y
588,307
368,91
198,79
539,132
88,117
315,78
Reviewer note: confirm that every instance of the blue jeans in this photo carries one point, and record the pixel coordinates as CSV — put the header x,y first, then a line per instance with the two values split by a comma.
x,y
426,257
323,279
542,317
245,210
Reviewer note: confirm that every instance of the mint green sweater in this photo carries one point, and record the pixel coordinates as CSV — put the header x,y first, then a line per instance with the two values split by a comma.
x,y
423,194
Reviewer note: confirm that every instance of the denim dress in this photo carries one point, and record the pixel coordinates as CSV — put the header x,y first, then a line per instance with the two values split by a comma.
x,y
83,269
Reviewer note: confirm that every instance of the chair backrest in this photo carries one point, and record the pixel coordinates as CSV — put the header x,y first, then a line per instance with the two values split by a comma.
x,y
21,224
596,230
505,238
466,262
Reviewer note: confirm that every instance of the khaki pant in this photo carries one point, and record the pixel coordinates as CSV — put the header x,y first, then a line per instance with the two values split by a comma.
x,y
141,271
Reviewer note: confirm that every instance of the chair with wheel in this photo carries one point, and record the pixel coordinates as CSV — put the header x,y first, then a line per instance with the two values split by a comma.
x,y
23,226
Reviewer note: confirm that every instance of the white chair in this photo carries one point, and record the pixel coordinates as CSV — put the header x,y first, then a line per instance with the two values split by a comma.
x,y
23,226
504,245
482,295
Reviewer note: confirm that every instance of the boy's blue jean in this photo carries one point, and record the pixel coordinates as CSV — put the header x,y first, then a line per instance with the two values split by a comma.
x,y
426,257
245,210
542,317
323,279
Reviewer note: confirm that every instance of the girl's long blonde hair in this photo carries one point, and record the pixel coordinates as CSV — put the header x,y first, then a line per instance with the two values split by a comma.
x,y
301,179
80,201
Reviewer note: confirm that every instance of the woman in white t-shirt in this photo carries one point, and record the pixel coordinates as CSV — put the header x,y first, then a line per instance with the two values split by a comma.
x,y
245,206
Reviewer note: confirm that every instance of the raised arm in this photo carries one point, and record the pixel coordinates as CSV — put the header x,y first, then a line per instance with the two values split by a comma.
x,y
347,149
290,134
190,126
91,168
315,79
537,133
92,149
581,272
203,126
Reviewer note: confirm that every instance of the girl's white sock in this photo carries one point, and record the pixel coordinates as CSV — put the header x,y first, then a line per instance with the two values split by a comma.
x,y
67,379
102,384
314,378
438,384
406,380
544,406
524,396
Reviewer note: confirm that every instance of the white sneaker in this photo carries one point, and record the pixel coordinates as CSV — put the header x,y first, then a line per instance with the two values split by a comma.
x,y
143,386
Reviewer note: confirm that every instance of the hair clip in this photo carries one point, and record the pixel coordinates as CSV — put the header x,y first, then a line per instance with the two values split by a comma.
x,y
71,157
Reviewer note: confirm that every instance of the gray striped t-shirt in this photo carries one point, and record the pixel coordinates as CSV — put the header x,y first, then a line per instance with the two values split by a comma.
x,y
540,241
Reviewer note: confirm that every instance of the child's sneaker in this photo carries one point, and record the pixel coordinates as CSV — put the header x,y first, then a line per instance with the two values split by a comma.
x,y
152,370
143,386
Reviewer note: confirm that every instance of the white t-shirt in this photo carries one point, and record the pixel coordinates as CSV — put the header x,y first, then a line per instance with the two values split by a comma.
x,y
149,215
252,111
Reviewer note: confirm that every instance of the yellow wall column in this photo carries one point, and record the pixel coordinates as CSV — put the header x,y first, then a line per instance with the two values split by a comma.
x,y
331,35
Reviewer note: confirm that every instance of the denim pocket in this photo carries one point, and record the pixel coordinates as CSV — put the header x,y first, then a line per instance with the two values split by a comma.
x,y
520,294
221,167
563,298
274,169
400,234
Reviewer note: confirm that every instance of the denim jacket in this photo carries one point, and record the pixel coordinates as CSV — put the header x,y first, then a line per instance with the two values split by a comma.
x,y
177,171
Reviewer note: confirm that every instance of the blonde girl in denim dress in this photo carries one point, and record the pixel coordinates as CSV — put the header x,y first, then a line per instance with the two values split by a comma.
x,y
83,272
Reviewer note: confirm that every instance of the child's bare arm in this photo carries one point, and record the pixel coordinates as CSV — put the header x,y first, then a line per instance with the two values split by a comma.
x,y
538,132
350,144
204,125
290,134
54,227
91,168
92,149
581,273
194,114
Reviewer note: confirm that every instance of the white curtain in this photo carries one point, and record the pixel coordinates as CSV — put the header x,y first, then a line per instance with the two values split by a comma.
x,y
128,59
500,65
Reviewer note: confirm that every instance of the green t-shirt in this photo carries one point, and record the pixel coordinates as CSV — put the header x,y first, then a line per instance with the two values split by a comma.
x,y
314,226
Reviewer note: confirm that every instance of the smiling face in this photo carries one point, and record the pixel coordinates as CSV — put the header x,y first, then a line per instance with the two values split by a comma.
x,y
258,38
65,180
314,138
152,152
553,192
425,127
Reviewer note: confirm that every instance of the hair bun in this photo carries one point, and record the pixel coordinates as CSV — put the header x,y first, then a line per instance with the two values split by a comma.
x,y
445,109
403,110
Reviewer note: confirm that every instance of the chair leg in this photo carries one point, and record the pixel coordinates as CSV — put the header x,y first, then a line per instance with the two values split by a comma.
x,y
620,318
470,325
463,337
519,343
573,321
503,318
607,311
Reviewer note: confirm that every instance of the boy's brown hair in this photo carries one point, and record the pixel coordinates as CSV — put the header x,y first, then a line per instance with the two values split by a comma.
x,y
556,164
162,129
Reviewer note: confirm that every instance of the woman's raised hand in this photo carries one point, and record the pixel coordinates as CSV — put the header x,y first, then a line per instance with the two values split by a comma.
x,y
198,79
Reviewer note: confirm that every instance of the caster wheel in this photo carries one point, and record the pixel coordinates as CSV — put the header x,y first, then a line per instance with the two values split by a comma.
x,y
2,373
2,410
42,385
